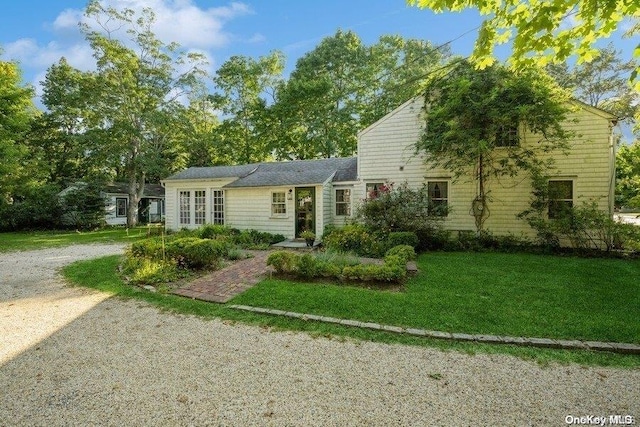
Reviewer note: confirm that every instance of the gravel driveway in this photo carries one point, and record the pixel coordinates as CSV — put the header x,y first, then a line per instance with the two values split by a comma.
x,y
72,357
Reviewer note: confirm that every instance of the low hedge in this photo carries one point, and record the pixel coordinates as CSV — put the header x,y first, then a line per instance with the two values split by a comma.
x,y
394,268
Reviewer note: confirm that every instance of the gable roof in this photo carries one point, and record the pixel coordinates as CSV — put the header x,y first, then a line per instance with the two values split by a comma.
x,y
271,174
150,190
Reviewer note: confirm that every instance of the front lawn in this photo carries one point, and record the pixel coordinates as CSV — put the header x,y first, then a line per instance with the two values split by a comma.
x,y
516,294
26,240
485,293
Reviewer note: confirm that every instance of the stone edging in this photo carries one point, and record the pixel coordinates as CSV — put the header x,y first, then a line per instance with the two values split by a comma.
x,y
625,348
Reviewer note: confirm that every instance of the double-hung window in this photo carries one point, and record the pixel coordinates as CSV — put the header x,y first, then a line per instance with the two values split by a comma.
x,y
200,206
184,207
217,211
121,207
438,197
560,198
507,136
343,202
278,203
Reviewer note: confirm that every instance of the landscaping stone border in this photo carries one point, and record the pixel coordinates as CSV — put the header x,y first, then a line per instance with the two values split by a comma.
x,y
624,348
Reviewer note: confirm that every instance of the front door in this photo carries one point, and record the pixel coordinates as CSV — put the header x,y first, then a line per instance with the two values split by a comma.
x,y
305,210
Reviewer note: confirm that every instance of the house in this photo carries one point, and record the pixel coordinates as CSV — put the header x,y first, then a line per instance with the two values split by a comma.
x,y
283,198
289,197
150,208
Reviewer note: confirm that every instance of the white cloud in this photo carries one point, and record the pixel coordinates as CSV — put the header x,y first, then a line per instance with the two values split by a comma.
x,y
257,38
181,21
29,53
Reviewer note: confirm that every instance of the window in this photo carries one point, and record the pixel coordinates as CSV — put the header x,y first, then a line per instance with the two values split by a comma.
x,y
200,206
184,201
278,203
343,202
560,198
217,212
507,136
438,197
375,188
121,206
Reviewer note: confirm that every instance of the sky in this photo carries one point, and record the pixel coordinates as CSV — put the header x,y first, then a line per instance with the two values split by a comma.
x,y
37,33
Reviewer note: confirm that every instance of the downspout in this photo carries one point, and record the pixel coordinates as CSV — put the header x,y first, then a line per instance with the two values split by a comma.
x,y
612,164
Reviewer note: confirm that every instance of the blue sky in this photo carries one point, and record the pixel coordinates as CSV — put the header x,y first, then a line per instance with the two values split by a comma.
x,y
37,33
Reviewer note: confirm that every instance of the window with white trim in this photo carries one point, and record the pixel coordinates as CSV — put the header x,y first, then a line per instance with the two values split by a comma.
x,y
200,206
343,202
507,136
278,203
560,198
217,211
438,197
184,207
373,189
121,207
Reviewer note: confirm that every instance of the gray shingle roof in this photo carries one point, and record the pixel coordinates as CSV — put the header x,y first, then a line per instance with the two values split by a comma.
x,y
297,172
213,172
150,190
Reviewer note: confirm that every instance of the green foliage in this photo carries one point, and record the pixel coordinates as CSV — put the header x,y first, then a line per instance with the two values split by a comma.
x,y
397,238
628,175
405,252
355,238
470,113
585,227
602,82
342,267
148,248
192,252
145,271
36,208
242,83
16,113
83,208
282,261
213,231
538,30
254,239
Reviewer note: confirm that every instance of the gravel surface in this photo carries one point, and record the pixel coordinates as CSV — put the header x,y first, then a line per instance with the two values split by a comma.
x,y
72,356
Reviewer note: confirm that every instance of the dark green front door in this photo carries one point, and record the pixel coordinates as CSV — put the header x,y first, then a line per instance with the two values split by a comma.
x,y
305,210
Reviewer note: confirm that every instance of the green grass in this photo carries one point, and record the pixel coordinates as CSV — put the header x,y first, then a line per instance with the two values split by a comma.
x,y
485,293
451,298
45,239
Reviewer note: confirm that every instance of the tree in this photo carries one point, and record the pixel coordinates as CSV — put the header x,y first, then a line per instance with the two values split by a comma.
x,y
543,31
321,98
57,142
135,92
243,83
16,114
628,175
343,86
601,83
471,112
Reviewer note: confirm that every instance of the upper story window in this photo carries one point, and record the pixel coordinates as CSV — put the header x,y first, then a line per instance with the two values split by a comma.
x,y
343,202
560,198
507,136
278,203
438,197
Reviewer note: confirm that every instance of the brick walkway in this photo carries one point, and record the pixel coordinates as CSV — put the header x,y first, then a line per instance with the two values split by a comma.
x,y
222,285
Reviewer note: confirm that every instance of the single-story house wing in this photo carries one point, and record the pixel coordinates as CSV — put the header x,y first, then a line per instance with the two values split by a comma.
x,y
150,207
277,197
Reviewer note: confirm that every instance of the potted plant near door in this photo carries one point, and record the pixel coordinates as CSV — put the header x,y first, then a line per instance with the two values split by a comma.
x,y
309,237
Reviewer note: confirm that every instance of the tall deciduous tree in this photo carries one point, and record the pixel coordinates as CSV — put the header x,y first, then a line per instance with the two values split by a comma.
x,y
471,112
57,141
137,87
543,31
602,83
16,114
245,87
